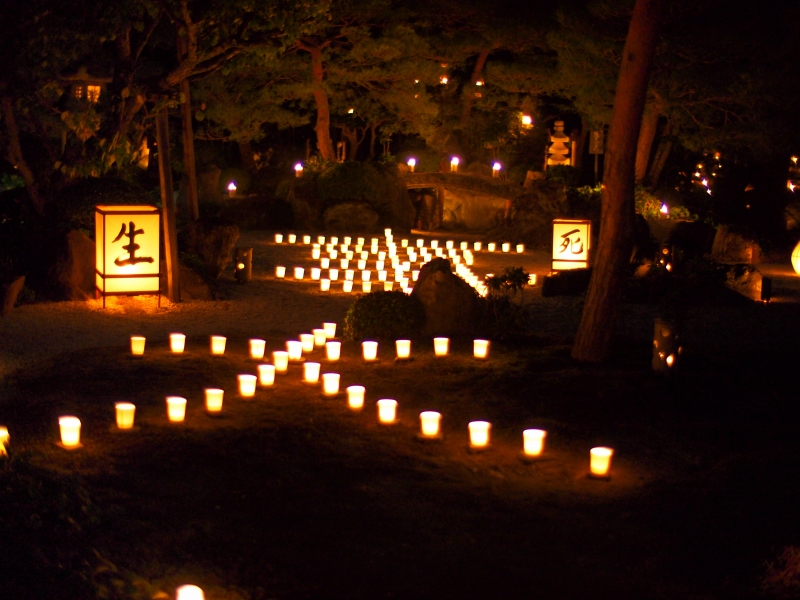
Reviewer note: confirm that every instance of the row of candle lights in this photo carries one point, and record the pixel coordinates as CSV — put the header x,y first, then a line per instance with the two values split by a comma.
x,y
291,238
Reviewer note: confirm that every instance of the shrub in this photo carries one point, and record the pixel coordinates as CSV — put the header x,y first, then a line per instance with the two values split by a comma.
x,y
351,181
384,315
569,176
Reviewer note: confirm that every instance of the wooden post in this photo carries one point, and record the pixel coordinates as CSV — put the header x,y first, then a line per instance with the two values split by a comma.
x,y
168,205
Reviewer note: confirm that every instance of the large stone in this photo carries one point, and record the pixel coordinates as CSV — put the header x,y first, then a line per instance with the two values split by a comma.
x,y
351,216
746,280
10,293
466,209
451,306
75,267
573,282
735,245
213,243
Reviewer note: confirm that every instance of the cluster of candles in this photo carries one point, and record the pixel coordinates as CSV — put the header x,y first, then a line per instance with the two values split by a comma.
x,y
430,421
393,264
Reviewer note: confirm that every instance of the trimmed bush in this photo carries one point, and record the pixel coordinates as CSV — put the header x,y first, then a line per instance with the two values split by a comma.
x,y
384,315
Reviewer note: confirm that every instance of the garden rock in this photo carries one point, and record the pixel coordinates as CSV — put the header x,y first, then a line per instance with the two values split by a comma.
x,y
351,216
75,267
746,280
451,306
11,293
735,245
213,244
208,186
573,282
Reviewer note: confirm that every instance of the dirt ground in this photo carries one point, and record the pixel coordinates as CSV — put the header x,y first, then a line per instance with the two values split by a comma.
x,y
292,495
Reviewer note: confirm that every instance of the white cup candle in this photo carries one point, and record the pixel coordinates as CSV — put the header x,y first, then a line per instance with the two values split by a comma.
x,y
388,285
480,349
311,372
319,337
320,239
218,345
299,272
257,348
479,434
387,411
280,272
292,238
520,248
491,246
381,275
189,592
600,461
333,274
334,240
477,246
369,351
295,349
362,264
325,263
247,385
316,272
324,285
420,242
429,423
125,412
347,286
266,375
344,263
333,350
355,397
506,247
330,330
316,253
306,239
533,442
330,384
441,346
177,343
403,348
366,287
176,409
70,428
214,399
280,358
349,274
137,345
307,342
278,238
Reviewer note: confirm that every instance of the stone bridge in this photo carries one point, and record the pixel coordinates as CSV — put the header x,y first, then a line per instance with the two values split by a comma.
x,y
479,185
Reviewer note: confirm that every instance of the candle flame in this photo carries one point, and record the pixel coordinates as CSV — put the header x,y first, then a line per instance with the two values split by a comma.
x,y
231,187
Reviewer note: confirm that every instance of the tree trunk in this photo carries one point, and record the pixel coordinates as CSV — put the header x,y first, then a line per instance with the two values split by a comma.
x,y
373,136
168,206
593,340
577,159
645,145
17,159
477,71
660,159
188,151
350,135
323,126
246,153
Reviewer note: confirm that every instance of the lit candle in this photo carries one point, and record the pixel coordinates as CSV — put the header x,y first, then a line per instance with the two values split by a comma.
x,y
298,272
480,349
321,239
298,170
333,274
454,164
333,350
325,263
319,337
533,442
365,275
189,592
496,170
137,345
280,272
231,190
420,242
366,287
355,397
491,246
344,263
429,421
176,409
362,264
315,273
292,238
311,372
600,461
412,163
125,412
330,384
347,286
257,348
449,244
307,342
479,434
520,248
532,279
306,239
324,285
506,247
403,349
247,385
295,350
349,274
70,432
278,238
330,330
477,246
464,246
369,351
381,275
214,399
280,358
415,275
360,241
387,411
388,285
441,346
177,343
266,375
434,244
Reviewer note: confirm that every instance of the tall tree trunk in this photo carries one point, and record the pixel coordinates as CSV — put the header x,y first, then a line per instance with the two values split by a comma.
x,y
647,134
477,72
660,158
188,151
16,158
580,146
350,136
373,136
593,340
168,206
247,155
323,126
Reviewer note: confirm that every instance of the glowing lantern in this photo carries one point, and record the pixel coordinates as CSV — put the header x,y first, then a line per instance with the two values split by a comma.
x,y
454,165
321,239
298,170
491,246
315,254
177,343
125,412
330,384
600,462
333,350
479,434
307,342
319,337
315,273
520,248
347,286
137,345
292,238
388,286
796,258
278,238
362,265
4,439
311,372
333,274
231,190
480,349
532,279
280,272
218,345
127,256
330,330
306,239
506,247
257,348
266,375
355,397
295,350
214,400
441,346
176,409
403,349
280,358
496,170
664,210
344,263
477,246
70,432
533,442
247,385
299,272
334,240
189,592
369,351
443,79
412,162
527,121
666,346
366,287
324,285
571,243
349,274
387,411
429,423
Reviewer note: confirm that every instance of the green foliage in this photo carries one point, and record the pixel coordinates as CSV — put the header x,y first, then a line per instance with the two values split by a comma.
x,y
509,282
647,205
76,204
569,176
502,318
351,180
384,315
10,182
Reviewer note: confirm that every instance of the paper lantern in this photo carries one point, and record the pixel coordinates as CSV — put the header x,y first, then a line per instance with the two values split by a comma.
x,y
496,170
480,349
412,163
441,346
506,247
330,384
387,411
347,286
434,244
218,345
479,434
520,248
381,275
319,337
280,272
278,238
667,348
266,375
299,272
315,273
176,409
321,239
325,263
295,350
533,442
334,240
307,342
333,350
369,351
177,342
298,170
532,279
362,265
137,345
477,246
214,400
349,274
280,358
127,250
324,285
306,239
70,432
454,164
330,330
189,592
796,259
232,190
355,397
366,287
247,385
600,461
344,264
388,285
571,244
257,348
333,274
429,424
125,412
491,246
415,275
311,372
315,254
403,348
